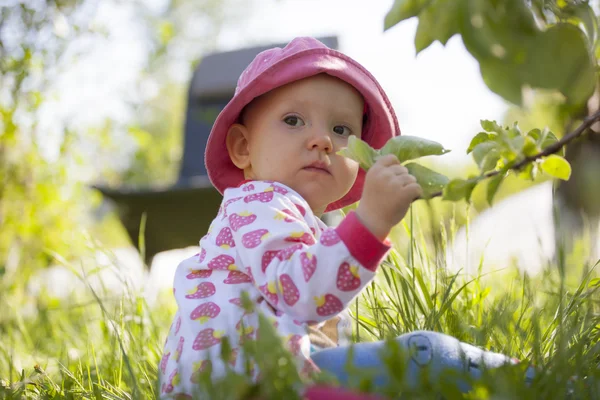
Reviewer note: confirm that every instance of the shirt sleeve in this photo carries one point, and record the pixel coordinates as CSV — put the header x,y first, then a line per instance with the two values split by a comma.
x,y
307,278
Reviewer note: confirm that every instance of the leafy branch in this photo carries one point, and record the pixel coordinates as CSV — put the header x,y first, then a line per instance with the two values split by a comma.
x,y
558,146
541,44
550,150
497,151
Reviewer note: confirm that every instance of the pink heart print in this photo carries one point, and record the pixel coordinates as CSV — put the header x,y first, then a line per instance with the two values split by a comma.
x,y
236,277
199,274
205,311
347,278
222,262
236,221
206,339
329,305
309,265
225,238
203,290
254,238
329,237
263,197
290,292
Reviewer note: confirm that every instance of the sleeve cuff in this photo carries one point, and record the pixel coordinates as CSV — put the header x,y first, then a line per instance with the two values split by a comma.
x,y
362,244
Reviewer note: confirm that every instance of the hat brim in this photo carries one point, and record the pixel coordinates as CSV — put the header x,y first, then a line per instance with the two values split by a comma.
x,y
381,123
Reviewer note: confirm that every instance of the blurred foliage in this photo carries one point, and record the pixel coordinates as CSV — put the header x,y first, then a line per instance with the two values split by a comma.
x,y
544,109
45,202
545,44
36,193
159,140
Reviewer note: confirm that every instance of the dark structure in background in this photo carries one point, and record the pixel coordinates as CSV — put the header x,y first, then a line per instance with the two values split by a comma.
x,y
178,216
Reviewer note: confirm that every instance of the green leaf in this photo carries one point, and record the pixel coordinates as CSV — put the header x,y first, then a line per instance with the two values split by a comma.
x,y
439,21
508,155
510,144
486,155
544,138
491,126
513,53
529,172
492,187
497,34
517,143
480,138
411,147
560,60
502,78
535,134
403,9
530,147
359,151
497,29
583,13
459,189
490,161
557,167
515,131
548,138
430,181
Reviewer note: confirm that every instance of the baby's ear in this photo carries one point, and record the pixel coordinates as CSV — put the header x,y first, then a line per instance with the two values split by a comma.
x,y
237,146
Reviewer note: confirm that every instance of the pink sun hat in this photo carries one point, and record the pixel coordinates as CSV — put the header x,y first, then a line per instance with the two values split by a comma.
x,y
301,58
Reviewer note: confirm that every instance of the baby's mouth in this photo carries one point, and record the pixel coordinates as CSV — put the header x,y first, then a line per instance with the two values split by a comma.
x,y
319,167
317,170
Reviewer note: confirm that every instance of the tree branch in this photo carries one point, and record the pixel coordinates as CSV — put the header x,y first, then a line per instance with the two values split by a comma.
x,y
553,148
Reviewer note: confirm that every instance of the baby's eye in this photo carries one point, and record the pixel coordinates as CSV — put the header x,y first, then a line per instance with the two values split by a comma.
x,y
293,120
342,130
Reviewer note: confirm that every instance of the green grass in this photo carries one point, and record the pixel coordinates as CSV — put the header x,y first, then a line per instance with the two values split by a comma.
x,y
98,345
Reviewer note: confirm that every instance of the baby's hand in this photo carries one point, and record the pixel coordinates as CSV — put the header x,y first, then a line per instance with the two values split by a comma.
x,y
388,192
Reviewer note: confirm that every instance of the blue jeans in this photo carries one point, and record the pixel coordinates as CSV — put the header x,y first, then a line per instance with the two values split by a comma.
x,y
429,354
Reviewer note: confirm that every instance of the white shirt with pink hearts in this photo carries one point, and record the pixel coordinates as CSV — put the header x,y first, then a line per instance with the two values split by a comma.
x,y
265,241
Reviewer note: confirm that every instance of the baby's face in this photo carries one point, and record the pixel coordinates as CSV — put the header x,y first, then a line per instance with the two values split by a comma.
x,y
295,132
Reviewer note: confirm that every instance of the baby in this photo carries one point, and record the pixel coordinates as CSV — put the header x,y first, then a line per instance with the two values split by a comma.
x,y
272,154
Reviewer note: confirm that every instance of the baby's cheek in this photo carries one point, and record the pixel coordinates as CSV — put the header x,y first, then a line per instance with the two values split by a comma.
x,y
351,167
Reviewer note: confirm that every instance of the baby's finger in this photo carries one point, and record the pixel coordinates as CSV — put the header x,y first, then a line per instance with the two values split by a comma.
x,y
387,160
405,179
398,169
414,189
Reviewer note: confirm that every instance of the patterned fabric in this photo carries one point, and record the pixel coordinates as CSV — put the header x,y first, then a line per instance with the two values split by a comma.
x,y
265,241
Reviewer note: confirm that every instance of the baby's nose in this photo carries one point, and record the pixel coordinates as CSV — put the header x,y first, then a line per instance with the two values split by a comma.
x,y
322,141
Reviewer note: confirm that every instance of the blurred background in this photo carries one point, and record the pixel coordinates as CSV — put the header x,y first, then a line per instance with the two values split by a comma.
x,y
94,94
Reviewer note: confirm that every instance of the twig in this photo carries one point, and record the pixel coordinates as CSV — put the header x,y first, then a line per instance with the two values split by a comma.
x,y
553,148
